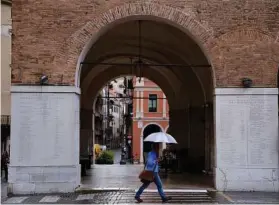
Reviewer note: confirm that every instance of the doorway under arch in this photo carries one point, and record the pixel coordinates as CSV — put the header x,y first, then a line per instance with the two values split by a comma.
x,y
147,130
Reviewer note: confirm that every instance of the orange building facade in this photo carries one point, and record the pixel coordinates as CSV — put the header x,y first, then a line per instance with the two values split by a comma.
x,y
150,114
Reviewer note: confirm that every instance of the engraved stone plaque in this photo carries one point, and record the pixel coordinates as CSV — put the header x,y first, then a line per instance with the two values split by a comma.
x,y
246,132
45,127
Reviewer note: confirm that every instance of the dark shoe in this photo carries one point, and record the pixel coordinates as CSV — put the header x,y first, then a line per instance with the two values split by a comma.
x,y
139,200
166,199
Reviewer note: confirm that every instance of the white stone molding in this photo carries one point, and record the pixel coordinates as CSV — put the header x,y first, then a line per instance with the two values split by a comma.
x,y
141,104
164,106
137,104
44,89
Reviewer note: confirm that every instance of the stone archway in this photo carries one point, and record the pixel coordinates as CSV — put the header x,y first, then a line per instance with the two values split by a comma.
x,y
78,44
45,119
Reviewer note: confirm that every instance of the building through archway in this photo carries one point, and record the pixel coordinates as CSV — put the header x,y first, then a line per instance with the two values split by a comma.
x,y
214,110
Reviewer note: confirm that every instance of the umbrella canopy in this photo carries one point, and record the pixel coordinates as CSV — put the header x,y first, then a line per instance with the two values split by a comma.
x,y
160,137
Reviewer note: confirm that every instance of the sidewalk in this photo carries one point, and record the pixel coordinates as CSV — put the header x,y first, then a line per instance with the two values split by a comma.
x,y
4,186
126,176
251,197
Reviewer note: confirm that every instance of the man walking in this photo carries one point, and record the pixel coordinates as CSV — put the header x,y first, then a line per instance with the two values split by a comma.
x,y
152,165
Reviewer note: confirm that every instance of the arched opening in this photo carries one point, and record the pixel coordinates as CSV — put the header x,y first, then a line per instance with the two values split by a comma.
x,y
53,101
171,59
149,129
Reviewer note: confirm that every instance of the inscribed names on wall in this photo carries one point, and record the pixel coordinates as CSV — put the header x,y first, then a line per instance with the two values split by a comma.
x,y
246,135
45,128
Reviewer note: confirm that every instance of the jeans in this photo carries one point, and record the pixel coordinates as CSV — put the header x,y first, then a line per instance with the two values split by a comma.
x,y
158,183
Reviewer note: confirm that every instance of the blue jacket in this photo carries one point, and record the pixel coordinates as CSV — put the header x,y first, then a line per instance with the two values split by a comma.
x,y
151,162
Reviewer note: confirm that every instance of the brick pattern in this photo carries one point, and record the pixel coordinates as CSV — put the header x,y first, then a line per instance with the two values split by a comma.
x,y
49,36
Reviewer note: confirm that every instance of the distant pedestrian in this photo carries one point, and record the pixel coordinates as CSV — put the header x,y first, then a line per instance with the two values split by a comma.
x,y
152,165
4,164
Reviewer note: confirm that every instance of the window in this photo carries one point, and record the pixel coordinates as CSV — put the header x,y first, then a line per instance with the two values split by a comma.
x,y
152,104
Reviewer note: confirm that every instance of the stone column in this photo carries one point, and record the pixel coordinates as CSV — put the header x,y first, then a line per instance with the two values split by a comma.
x,y
164,106
44,139
141,105
137,104
246,139
86,131
178,126
196,142
141,149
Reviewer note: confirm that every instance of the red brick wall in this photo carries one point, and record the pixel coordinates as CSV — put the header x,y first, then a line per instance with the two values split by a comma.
x,y
240,38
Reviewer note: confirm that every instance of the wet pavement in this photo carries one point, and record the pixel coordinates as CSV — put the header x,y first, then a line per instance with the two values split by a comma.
x,y
116,184
4,186
126,176
253,197
149,197
117,155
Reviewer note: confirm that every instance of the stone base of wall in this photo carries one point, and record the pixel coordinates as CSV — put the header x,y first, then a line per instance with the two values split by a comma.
x,y
48,179
233,179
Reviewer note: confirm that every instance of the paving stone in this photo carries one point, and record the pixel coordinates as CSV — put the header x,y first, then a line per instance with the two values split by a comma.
x,y
85,197
50,199
15,200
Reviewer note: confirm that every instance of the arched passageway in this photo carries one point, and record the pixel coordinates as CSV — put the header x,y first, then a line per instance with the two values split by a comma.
x,y
153,49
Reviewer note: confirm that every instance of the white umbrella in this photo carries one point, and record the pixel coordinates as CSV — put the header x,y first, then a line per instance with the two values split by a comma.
x,y
160,137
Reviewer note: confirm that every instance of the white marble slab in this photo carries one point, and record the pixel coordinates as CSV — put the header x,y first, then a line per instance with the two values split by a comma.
x,y
247,130
44,139
246,139
45,129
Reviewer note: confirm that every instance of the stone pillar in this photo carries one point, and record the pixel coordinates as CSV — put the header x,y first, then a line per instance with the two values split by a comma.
x,y
196,142
137,104
141,105
179,126
44,139
209,137
86,131
141,149
246,139
164,106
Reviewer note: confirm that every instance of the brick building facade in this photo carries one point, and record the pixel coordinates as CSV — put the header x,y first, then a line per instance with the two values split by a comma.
x,y
150,114
216,61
